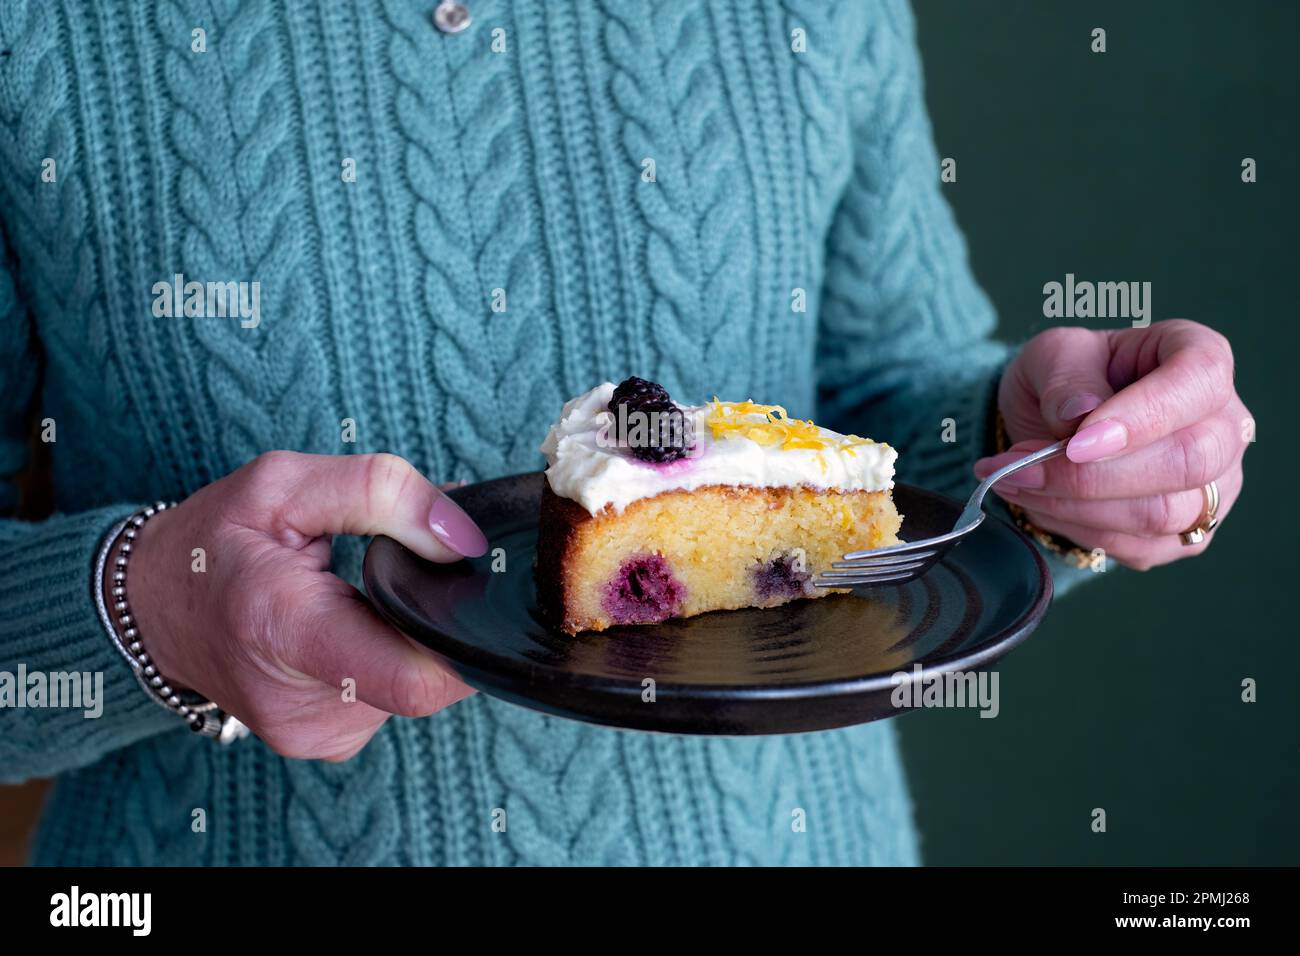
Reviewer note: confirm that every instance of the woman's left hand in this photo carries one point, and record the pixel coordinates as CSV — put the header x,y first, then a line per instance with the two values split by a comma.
x,y
1155,418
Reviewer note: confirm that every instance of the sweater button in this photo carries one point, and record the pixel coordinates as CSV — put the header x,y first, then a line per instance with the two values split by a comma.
x,y
450,17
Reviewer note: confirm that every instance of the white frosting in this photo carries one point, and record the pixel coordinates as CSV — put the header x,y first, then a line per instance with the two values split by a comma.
x,y
588,467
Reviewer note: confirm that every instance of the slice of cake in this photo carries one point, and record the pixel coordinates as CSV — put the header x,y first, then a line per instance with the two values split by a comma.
x,y
655,510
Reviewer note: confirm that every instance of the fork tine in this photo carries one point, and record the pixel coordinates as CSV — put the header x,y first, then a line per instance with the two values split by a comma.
x,y
892,561
891,578
893,550
858,570
910,559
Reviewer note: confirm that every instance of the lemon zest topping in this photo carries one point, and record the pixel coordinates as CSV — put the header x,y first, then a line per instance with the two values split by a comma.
x,y
775,428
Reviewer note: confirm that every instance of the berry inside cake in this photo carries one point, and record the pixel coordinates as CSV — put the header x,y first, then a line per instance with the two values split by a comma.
x,y
654,510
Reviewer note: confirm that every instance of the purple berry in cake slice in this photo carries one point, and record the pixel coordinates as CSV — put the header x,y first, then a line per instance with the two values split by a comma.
x,y
644,591
782,577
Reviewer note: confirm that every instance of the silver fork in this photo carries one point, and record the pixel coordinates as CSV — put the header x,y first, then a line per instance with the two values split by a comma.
x,y
903,562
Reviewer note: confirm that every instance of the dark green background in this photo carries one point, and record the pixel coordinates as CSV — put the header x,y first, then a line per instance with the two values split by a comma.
x,y
1127,166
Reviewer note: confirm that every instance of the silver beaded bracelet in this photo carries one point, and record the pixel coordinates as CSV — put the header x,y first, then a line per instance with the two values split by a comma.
x,y
203,716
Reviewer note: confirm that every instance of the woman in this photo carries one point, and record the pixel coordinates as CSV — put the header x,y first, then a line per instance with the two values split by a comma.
x,y
455,219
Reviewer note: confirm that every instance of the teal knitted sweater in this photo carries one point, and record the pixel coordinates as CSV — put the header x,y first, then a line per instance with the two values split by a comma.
x,y
737,198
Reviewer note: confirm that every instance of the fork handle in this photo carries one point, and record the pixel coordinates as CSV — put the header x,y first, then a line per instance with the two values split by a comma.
x,y
973,513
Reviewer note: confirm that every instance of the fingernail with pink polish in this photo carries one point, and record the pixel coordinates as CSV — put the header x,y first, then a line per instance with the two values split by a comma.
x,y
1099,440
1077,406
456,529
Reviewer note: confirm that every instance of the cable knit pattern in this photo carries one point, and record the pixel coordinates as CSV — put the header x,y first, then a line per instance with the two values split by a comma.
x,y
658,179
476,226
241,192
721,214
38,97
581,806
819,86
344,814
506,157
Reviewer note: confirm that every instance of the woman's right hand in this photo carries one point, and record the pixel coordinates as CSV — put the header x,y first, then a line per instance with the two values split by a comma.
x,y
266,630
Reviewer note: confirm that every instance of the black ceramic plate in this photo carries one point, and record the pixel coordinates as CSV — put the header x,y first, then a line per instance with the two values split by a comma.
x,y
810,665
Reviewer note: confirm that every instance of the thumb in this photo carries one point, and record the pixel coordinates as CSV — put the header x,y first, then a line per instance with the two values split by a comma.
x,y
373,495
1066,369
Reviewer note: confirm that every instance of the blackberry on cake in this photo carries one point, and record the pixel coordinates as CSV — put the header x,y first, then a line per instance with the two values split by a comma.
x,y
709,507
633,391
648,423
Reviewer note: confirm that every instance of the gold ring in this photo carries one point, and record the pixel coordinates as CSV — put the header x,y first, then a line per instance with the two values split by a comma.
x,y
1209,517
